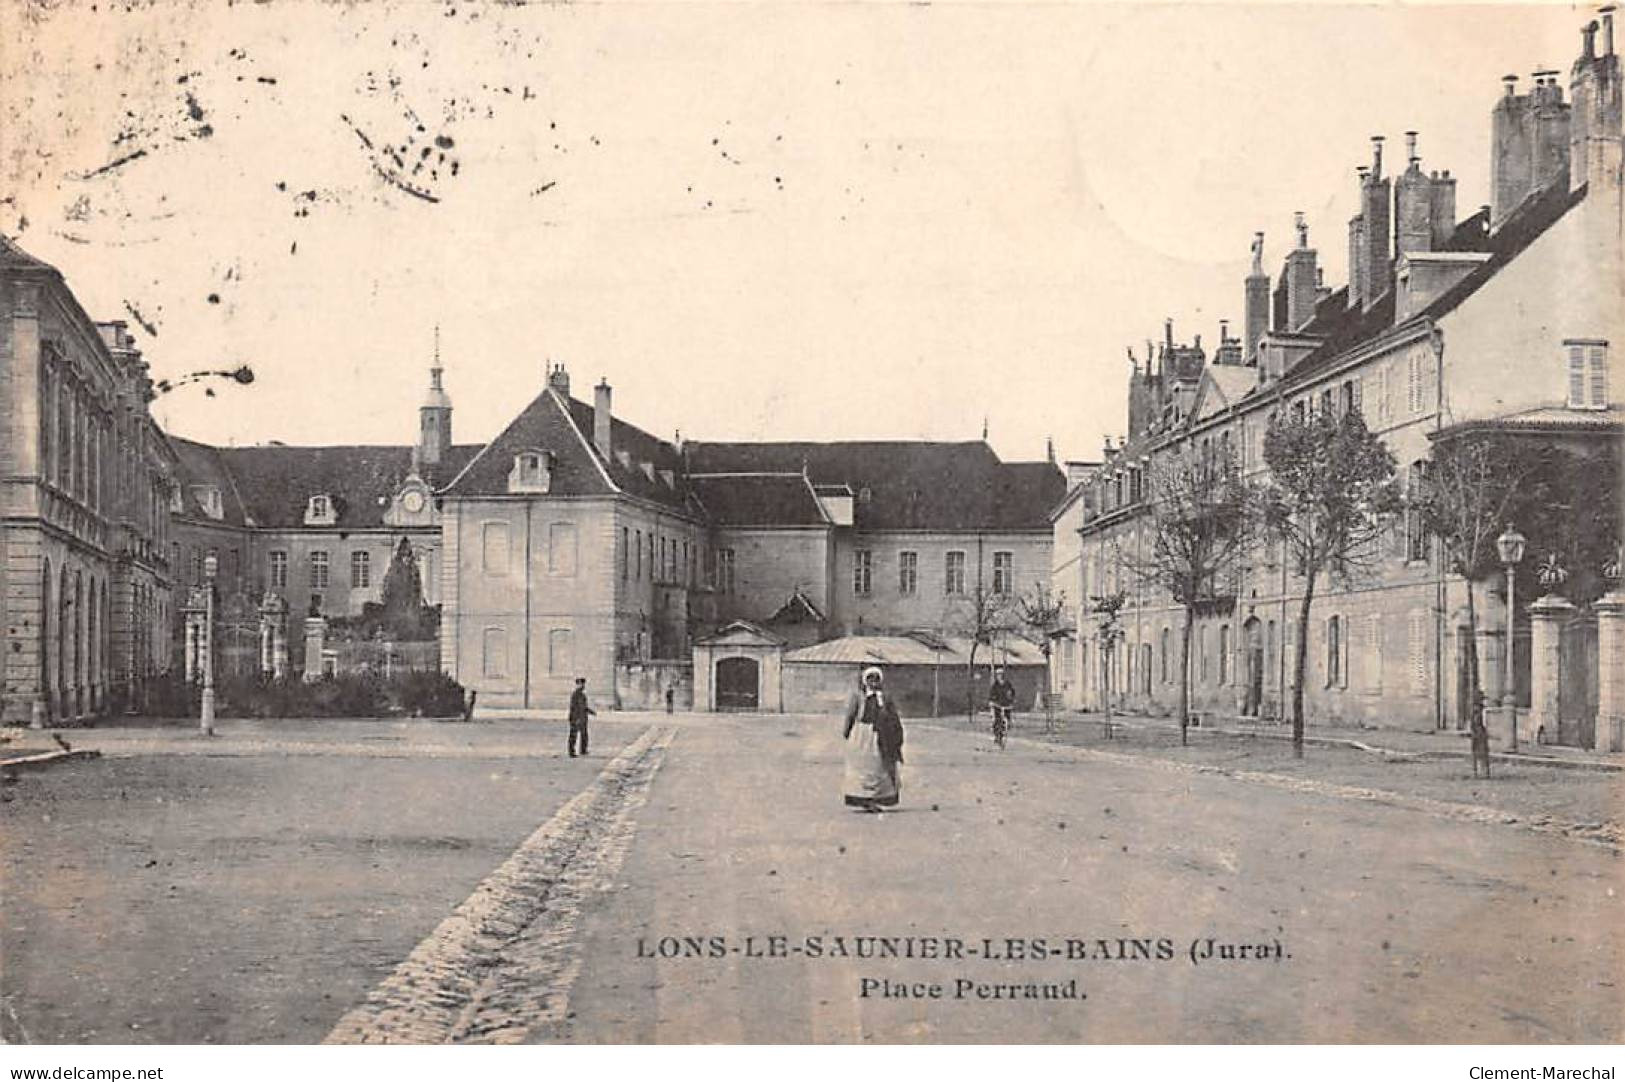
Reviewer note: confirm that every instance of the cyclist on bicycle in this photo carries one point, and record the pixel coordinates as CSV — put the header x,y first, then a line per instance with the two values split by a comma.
x,y
1001,696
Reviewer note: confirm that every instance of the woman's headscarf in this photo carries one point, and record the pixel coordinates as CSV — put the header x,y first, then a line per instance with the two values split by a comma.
x,y
874,671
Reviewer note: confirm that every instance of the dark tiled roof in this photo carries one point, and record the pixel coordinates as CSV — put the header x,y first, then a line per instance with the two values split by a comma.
x,y
563,426
758,499
640,447
201,464
1532,217
276,481
912,484
14,258
1344,328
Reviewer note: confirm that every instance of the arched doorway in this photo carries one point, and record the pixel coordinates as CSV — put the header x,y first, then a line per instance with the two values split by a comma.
x,y
738,683
1252,634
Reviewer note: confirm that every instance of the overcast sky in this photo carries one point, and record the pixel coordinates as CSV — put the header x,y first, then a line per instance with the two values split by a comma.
x,y
757,221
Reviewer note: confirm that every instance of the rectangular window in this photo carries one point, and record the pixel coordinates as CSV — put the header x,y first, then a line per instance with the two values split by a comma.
x,y
1334,652
197,567
862,571
725,570
626,554
1202,652
1588,374
1224,654
561,549
279,571
561,654
953,577
1004,571
360,570
1419,652
494,550
637,554
318,570
908,573
494,652
1372,653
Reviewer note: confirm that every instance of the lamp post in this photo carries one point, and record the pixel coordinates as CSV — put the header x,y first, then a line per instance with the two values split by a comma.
x,y
1510,547
211,564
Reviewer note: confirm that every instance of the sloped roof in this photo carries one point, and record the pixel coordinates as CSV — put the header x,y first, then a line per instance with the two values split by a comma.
x,y
13,257
640,447
201,464
759,499
276,482
912,484
1232,382
1345,328
563,426
1536,214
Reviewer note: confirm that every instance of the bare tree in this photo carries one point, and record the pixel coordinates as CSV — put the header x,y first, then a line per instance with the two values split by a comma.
x,y
979,615
1109,629
1040,613
1200,510
1328,499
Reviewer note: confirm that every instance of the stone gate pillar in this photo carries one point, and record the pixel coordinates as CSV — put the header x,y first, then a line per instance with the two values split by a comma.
x,y
1547,618
1608,734
315,640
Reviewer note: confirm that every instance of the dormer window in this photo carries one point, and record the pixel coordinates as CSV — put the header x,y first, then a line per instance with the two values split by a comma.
x,y
319,511
648,469
532,472
669,478
624,458
208,499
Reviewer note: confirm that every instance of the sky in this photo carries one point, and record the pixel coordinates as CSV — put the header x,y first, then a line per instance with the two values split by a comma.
x,y
755,220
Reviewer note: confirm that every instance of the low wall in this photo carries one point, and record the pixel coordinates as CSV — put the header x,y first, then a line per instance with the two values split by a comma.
x,y
643,685
920,690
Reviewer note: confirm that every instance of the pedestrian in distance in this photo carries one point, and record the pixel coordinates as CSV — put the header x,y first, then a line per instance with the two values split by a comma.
x,y
579,713
874,746
1001,697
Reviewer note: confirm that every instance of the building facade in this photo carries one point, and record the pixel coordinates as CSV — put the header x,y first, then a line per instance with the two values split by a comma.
x,y
1509,318
86,582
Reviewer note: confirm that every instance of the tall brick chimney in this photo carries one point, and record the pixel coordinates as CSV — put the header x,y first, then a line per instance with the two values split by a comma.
x,y
601,421
558,378
1376,200
1297,289
1256,311
1595,134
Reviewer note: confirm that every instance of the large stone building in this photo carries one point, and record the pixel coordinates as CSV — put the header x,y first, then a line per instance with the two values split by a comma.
x,y
1509,318
577,544
85,579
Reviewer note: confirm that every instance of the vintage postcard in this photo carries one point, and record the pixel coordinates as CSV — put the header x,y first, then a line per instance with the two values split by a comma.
x,y
831,523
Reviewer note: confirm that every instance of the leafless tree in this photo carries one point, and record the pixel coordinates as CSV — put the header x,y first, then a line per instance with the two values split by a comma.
x,y
1329,497
1199,514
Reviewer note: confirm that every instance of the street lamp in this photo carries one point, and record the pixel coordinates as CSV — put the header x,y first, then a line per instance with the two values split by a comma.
x,y
1510,547
211,564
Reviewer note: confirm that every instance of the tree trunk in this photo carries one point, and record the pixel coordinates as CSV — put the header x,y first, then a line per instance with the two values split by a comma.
x,y
1475,682
1299,663
970,686
1185,677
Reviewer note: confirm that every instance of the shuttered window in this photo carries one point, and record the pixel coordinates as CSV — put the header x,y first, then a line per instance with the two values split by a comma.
x,y
1419,652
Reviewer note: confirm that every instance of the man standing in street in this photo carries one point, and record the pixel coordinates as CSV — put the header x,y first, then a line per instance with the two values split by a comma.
x,y
1001,696
579,713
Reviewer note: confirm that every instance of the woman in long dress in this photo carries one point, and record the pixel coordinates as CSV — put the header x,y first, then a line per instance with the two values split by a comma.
x,y
874,746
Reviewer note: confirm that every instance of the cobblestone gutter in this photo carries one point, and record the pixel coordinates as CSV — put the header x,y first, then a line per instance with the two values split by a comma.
x,y
503,963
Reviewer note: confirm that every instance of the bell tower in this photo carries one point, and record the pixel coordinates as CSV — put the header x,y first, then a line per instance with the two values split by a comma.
x,y
434,424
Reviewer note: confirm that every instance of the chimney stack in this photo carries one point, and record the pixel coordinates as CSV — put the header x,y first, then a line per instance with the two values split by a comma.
x,y
1255,319
1595,150
601,431
1413,226
558,378
1295,295
1376,199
